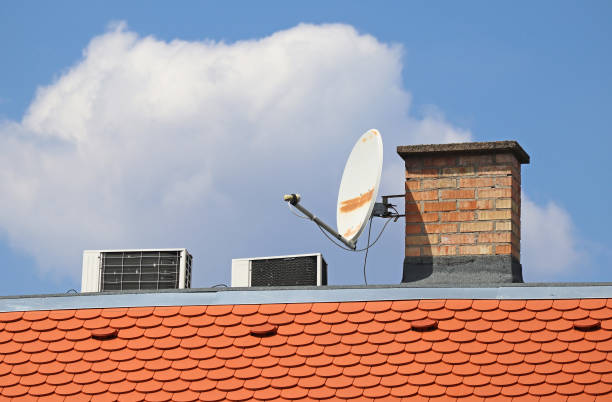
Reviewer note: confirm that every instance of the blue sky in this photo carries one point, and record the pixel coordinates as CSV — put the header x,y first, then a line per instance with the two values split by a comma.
x,y
92,177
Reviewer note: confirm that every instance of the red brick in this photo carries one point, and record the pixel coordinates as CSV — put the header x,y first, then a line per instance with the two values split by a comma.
x,y
506,158
413,251
494,170
441,228
413,185
485,204
503,237
503,225
494,215
427,217
467,205
503,249
516,222
425,195
476,227
516,228
440,183
494,192
457,239
440,250
454,194
429,239
440,206
412,207
476,160
477,182
458,171
503,203
516,240
414,228
476,250
414,173
413,162
457,216
439,161
503,181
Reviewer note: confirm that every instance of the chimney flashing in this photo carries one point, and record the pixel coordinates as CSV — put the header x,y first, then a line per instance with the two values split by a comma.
x,y
462,270
513,147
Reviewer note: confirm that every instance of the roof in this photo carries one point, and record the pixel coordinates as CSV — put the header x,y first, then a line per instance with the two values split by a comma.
x,y
395,342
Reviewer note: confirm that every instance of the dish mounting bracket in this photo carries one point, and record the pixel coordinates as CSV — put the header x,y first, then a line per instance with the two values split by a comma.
x,y
385,209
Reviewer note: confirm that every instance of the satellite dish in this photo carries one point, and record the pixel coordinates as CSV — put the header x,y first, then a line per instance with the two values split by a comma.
x,y
358,190
359,185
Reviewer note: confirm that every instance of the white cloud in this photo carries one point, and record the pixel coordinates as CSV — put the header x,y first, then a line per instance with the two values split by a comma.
x,y
549,244
431,127
146,143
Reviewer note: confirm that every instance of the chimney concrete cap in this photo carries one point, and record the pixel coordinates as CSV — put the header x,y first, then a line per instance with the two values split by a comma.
x,y
465,148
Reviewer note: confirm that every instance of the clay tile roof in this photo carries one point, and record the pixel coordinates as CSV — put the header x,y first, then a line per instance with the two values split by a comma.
x,y
486,346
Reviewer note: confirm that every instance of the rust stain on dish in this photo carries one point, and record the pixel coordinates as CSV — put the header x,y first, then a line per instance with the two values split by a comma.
x,y
370,135
357,202
350,232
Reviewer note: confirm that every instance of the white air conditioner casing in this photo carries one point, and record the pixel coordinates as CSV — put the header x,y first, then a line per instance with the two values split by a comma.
x,y
140,271
244,274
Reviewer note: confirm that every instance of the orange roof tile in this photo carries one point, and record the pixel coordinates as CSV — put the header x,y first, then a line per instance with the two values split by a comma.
x,y
490,349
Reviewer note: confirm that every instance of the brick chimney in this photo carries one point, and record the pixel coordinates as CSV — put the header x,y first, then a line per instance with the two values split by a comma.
x,y
463,208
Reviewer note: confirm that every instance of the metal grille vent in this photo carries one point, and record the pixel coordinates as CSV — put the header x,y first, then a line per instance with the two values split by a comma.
x,y
135,270
188,271
293,271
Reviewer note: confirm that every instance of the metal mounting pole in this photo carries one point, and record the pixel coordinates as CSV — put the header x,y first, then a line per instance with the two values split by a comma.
x,y
294,199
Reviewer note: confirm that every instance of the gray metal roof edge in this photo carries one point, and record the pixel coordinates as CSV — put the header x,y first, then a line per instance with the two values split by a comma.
x,y
230,296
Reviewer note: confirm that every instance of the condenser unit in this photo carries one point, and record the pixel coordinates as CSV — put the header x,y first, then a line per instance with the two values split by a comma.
x,y
287,270
120,270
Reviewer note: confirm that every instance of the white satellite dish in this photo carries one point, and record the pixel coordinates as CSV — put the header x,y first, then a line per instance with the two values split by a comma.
x,y
359,185
358,190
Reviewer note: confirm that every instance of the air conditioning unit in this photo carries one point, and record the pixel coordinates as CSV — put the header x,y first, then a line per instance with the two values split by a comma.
x,y
118,270
286,270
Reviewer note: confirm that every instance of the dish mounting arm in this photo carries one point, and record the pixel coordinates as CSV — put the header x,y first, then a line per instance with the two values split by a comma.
x,y
294,200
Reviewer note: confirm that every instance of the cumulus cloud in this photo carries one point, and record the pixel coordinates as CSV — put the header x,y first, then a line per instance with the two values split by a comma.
x,y
148,143
432,126
549,244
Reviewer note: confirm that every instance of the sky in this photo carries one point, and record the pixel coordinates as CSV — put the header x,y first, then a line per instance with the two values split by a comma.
x,y
155,125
